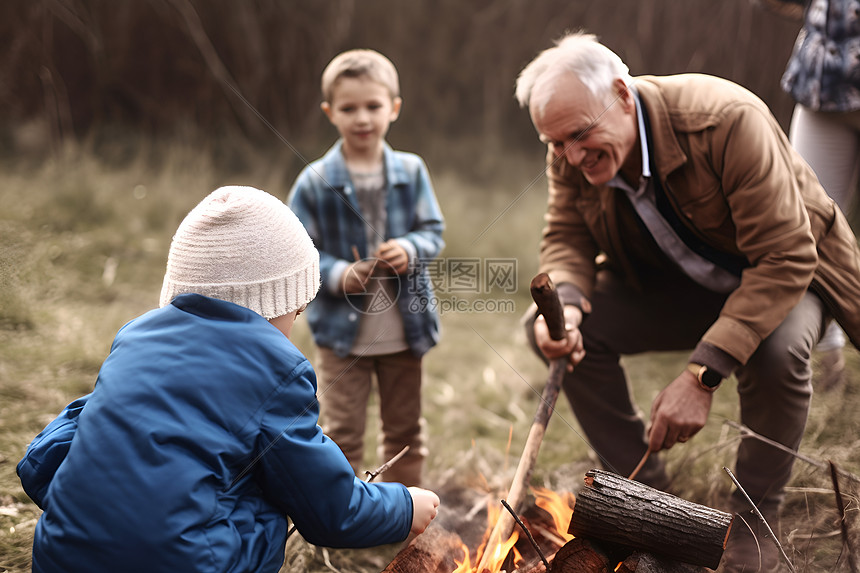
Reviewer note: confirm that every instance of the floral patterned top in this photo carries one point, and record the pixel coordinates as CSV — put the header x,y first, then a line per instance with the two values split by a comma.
x,y
823,72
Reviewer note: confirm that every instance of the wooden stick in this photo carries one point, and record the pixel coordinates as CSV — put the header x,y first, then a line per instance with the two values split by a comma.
x,y
371,475
843,523
549,305
527,532
761,517
640,465
747,433
545,296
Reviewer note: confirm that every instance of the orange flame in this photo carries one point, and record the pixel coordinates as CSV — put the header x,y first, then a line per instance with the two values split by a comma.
x,y
557,505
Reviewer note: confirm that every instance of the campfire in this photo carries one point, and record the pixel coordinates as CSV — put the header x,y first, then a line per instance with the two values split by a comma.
x,y
551,527
615,524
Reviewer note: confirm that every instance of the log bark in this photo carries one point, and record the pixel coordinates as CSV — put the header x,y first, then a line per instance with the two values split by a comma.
x,y
640,562
579,556
433,551
615,509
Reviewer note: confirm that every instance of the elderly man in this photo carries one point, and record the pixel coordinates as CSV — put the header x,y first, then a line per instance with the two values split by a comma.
x,y
679,218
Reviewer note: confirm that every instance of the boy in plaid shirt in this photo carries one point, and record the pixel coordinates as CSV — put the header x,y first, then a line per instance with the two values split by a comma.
x,y
374,218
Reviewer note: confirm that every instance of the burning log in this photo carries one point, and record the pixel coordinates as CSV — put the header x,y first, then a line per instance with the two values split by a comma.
x,y
580,556
640,562
431,552
615,509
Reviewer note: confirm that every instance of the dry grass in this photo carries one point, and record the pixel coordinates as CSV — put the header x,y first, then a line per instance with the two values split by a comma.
x,y
82,250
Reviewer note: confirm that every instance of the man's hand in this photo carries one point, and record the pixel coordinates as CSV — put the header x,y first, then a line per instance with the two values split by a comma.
x,y
355,276
570,345
394,254
678,412
424,504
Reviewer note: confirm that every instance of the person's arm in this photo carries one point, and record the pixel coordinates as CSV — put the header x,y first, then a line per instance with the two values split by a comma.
x,y
761,187
48,450
305,474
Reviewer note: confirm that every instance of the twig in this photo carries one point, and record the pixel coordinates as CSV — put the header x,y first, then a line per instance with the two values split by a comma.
x,y
386,465
761,517
747,433
549,535
640,465
843,525
327,561
527,532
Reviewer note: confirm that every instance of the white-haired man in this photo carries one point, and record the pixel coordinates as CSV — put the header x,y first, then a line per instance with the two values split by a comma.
x,y
679,217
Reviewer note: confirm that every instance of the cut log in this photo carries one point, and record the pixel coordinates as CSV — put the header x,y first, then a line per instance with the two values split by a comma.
x,y
640,562
433,551
579,556
615,509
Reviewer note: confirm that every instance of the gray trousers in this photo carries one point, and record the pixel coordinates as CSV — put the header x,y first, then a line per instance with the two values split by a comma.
x,y
774,387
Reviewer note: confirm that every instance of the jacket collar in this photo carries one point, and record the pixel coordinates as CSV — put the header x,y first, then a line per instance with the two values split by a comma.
x,y
666,149
213,308
337,175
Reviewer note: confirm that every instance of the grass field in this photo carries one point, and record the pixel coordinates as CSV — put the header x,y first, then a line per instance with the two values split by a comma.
x,y
83,243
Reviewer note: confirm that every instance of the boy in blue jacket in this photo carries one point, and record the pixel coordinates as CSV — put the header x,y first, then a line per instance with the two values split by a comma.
x,y
200,438
372,213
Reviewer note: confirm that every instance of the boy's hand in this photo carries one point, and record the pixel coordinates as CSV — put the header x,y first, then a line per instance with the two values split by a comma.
x,y
424,504
355,277
394,254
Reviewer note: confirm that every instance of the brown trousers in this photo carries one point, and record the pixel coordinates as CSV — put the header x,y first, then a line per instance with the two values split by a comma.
x,y
774,387
344,391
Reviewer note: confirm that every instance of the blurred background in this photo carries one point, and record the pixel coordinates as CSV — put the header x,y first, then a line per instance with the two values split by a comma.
x,y
106,73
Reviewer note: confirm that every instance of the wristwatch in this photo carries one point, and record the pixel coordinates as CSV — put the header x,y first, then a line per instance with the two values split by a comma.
x,y
709,380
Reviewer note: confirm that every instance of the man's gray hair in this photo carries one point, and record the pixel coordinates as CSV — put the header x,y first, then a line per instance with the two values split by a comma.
x,y
578,53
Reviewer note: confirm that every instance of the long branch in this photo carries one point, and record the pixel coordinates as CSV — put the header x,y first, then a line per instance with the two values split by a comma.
x,y
747,433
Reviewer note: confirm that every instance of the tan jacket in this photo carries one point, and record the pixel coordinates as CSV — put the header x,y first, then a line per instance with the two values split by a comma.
x,y
734,179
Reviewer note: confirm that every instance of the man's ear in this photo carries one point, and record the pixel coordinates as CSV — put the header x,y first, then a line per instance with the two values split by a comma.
x,y
396,103
326,107
623,93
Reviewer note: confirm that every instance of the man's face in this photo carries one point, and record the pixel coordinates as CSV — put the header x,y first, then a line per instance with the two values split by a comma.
x,y
594,135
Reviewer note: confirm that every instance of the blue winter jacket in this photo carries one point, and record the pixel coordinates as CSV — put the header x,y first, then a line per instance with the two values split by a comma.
x,y
323,198
198,441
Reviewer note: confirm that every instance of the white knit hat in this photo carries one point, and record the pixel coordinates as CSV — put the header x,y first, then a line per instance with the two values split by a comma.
x,y
244,246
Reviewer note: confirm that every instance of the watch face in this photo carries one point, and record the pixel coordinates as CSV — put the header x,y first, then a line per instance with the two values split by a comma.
x,y
710,378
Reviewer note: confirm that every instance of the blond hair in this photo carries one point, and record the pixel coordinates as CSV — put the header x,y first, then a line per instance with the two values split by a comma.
x,y
595,65
357,64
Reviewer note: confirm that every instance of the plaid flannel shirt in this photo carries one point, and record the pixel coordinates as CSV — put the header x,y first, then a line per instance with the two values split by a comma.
x,y
323,197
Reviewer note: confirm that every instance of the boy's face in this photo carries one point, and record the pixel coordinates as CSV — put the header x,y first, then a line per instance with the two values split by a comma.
x,y
362,111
